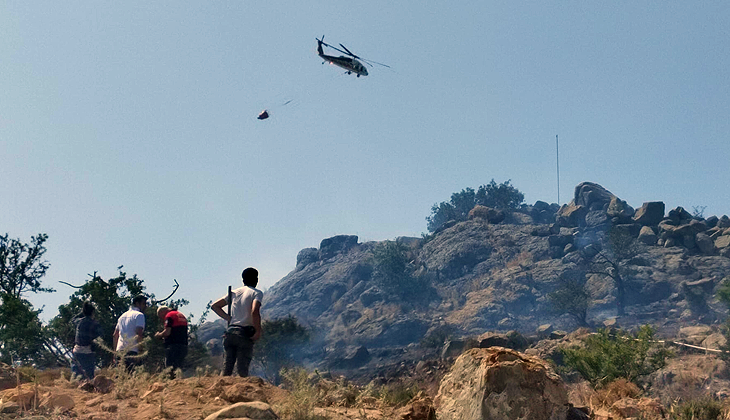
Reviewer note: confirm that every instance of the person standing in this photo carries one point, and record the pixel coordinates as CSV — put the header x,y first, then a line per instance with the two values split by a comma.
x,y
175,335
244,322
87,329
129,332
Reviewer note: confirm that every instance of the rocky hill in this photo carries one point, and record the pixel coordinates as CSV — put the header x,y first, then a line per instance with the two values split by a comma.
x,y
494,272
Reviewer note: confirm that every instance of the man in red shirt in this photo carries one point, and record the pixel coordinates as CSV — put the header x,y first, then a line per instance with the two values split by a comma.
x,y
175,335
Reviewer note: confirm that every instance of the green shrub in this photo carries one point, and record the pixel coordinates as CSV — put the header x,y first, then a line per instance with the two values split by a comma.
x,y
283,338
609,355
394,273
396,394
501,196
700,409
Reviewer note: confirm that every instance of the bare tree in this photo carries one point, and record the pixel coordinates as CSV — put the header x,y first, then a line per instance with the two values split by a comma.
x,y
618,247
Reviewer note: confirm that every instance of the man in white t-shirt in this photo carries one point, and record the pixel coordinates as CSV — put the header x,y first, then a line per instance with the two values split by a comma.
x,y
244,322
129,331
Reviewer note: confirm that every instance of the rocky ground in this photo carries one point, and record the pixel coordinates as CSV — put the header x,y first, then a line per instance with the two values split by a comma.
x,y
524,380
51,395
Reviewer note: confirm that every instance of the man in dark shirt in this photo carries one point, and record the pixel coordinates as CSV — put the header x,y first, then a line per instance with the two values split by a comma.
x,y
175,335
87,329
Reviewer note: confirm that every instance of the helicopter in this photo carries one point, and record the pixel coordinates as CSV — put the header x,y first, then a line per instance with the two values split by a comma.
x,y
351,63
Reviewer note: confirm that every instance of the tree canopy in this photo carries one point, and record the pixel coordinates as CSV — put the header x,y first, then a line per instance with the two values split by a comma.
x,y
22,336
22,265
502,196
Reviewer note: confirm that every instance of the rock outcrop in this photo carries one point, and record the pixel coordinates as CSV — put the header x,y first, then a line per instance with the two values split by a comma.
x,y
487,274
500,384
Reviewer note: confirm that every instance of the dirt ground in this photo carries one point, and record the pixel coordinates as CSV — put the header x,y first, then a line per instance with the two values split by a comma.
x,y
151,398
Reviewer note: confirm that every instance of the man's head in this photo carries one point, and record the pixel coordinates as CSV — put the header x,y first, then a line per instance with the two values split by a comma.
x,y
88,308
250,277
162,311
140,301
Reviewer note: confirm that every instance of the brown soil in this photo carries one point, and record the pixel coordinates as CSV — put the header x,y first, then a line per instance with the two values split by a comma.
x,y
191,398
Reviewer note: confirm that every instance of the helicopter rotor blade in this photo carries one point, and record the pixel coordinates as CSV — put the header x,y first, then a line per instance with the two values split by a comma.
x,y
334,48
374,62
369,62
348,51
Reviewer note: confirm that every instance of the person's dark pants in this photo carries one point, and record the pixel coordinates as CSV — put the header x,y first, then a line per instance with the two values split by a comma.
x,y
239,351
83,365
175,355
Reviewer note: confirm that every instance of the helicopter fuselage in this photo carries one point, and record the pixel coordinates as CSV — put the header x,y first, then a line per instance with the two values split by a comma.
x,y
348,63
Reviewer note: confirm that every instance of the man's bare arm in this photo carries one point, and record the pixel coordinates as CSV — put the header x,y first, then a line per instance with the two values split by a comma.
x,y
115,338
256,317
140,334
218,306
164,333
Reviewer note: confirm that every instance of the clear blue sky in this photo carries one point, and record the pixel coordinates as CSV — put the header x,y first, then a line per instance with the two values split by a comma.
x,y
128,130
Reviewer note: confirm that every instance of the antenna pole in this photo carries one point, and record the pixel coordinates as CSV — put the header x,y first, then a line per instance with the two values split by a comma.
x,y
557,158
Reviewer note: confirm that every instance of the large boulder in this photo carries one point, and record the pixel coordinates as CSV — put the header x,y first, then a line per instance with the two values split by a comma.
x,y
255,410
572,215
596,218
486,213
500,384
511,340
57,401
592,196
22,395
339,244
705,244
650,213
722,242
679,216
307,256
647,236
723,222
619,208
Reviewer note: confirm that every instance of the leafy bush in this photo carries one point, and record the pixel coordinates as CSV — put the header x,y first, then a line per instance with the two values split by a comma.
x,y
393,272
501,196
609,355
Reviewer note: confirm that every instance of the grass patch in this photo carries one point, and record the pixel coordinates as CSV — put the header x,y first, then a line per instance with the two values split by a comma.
x,y
699,409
